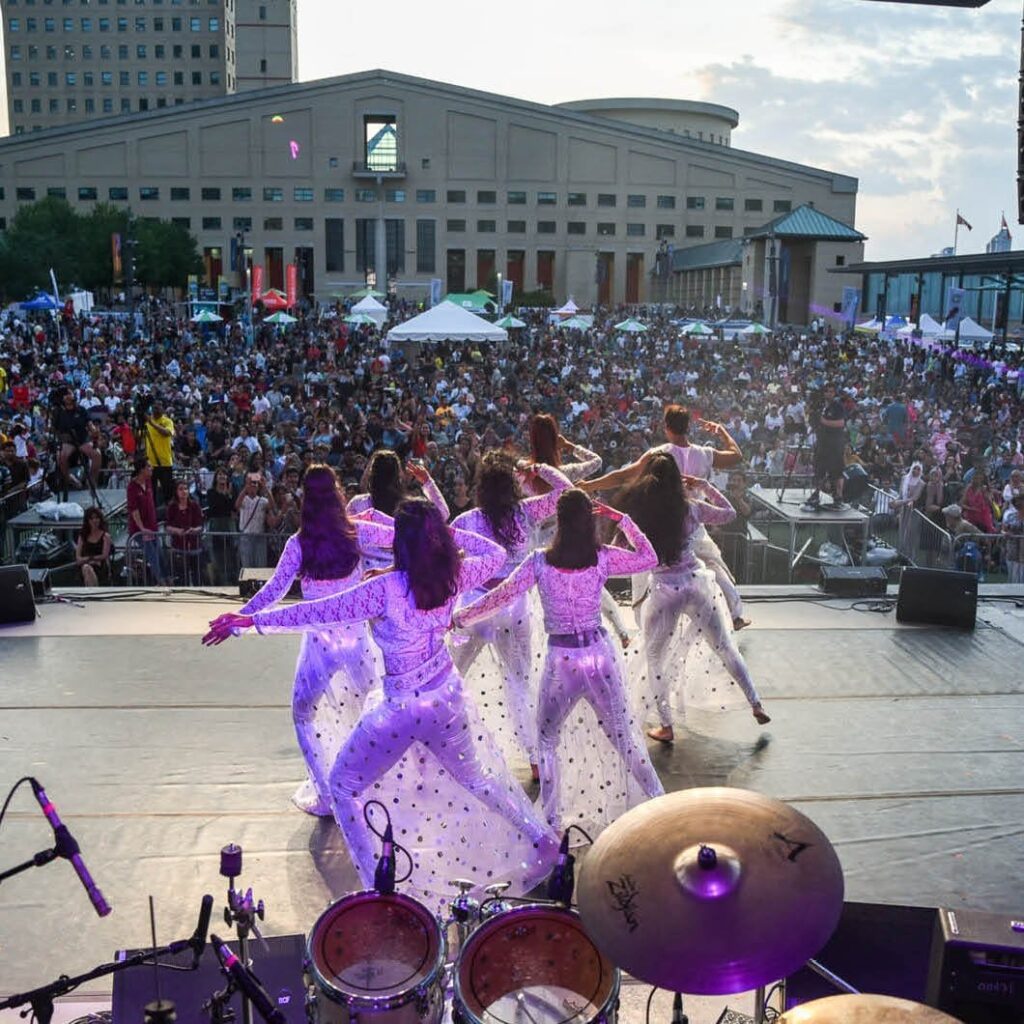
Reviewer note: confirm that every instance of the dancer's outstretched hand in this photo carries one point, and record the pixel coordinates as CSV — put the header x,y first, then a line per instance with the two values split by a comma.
x,y
225,626
601,509
417,472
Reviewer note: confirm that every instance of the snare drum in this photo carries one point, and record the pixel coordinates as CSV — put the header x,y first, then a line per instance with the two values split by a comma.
x,y
534,963
376,958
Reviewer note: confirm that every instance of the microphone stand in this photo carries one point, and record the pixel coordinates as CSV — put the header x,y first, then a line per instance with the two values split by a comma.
x,y
44,857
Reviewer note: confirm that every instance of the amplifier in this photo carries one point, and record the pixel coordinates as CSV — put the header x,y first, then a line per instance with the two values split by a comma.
x,y
40,583
250,580
977,967
938,597
16,601
854,581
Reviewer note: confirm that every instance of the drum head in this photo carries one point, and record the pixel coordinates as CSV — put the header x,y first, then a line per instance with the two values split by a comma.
x,y
536,964
371,946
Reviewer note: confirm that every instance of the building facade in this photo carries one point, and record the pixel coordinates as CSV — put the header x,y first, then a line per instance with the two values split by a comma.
x,y
70,64
267,50
386,178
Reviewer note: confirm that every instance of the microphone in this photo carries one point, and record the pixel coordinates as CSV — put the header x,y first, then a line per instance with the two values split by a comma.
x,y
384,875
198,940
563,877
250,985
67,847
678,1017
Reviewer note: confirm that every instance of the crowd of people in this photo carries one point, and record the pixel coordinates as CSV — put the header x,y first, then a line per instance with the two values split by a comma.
x,y
238,421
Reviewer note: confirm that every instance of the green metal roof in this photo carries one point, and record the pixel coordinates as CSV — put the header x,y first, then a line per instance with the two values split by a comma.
x,y
725,253
808,223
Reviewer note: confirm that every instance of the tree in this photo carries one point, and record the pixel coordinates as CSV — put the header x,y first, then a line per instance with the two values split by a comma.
x,y
166,254
42,236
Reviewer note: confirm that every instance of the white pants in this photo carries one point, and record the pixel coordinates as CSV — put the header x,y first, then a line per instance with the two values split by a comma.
x,y
708,552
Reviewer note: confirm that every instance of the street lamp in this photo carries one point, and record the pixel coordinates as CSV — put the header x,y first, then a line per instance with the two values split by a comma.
x,y
245,255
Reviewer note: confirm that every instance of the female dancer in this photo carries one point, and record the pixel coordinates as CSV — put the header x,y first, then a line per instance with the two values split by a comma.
x,y
336,663
492,837
504,517
580,779
681,584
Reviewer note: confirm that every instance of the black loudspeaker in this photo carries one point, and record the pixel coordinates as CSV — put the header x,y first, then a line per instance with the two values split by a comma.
x,y
876,948
279,970
40,583
938,597
977,967
17,604
251,580
854,580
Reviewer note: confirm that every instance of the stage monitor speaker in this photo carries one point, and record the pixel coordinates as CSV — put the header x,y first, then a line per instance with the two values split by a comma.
x,y
279,969
938,597
977,967
17,604
251,580
854,580
40,583
876,948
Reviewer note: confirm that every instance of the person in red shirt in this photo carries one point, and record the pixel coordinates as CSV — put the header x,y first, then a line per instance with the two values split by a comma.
x,y
185,524
142,521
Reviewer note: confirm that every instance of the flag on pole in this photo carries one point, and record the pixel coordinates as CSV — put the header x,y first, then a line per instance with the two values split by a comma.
x,y
960,219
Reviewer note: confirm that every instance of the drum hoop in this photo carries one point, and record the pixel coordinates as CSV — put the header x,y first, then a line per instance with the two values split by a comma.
x,y
459,999
328,987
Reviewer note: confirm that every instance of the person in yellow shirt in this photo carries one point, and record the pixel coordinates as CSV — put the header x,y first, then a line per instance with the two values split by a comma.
x,y
3,381
159,440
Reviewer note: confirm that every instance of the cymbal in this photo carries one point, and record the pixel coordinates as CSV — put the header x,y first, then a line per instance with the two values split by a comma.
x,y
865,1009
711,891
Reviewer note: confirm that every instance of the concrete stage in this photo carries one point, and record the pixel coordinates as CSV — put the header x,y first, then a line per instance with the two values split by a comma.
x,y
906,745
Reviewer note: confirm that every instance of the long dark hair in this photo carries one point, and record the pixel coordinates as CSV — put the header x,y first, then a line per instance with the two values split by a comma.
x,y
657,504
387,487
498,495
330,547
544,439
92,513
575,545
425,551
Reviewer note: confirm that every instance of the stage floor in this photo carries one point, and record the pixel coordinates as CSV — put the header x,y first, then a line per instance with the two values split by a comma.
x,y
905,745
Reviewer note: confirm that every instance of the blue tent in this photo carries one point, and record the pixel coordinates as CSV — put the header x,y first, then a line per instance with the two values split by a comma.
x,y
41,301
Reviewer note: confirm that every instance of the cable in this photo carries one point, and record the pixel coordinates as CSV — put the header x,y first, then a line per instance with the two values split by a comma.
x,y
10,795
380,835
582,831
650,999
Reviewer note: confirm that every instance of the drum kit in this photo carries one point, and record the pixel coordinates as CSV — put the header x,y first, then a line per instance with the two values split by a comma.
x,y
708,891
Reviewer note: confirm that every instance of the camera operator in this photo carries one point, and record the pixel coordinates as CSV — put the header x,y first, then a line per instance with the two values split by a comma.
x,y
829,444
71,426
159,450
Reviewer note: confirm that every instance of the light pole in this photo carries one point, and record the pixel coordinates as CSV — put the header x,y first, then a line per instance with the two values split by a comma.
x,y
245,254
500,295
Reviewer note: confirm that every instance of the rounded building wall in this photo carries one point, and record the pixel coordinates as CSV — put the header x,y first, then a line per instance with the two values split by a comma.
x,y
706,122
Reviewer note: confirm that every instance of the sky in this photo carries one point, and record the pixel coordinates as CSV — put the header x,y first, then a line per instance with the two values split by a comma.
x,y
919,103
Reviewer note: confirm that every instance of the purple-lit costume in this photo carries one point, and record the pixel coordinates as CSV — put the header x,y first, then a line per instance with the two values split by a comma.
x,y
460,813
592,769
508,630
378,558
686,661
337,664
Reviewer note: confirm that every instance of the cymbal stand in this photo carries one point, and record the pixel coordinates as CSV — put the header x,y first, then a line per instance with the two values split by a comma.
x,y
242,911
761,1003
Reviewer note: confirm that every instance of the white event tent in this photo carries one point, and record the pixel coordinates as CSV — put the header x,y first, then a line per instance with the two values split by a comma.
x,y
447,322
370,307
971,330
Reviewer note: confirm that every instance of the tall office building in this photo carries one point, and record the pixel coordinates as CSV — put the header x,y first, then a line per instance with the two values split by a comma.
x,y
88,59
267,51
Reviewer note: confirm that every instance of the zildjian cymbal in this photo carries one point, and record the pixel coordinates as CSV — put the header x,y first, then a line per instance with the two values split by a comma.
x,y
865,1009
711,891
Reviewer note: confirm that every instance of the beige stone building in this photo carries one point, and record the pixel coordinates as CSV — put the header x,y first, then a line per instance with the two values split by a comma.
x,y
384,177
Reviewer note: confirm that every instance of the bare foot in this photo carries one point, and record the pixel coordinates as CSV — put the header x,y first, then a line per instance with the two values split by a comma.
x,y
535,772
739,623
762,717
664,734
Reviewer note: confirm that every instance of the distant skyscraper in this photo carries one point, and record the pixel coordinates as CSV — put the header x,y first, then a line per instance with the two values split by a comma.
x,y
267,51
1002,241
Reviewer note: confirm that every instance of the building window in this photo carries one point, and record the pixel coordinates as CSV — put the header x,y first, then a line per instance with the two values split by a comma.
x,y
15,53
840,261
665,231
695,202
13,25
782,205
263,12
517,199
694,230
302,195
70,78
140,24
576,227
273,195
140,51
19,107
161,78
456,195
50,25
118,193
366,195
273,224
455,226
181,194
197,78
636,202
577,199
214,24
143,78
214,78
546,270
546,227
211,223
87,52
126,105
666,202
122,24
426,195
606,228
723,231
124,78
606,199
149,193
334,245
724,203
87,194
486,197
486,227
71,106
380,142
635,230
334,195
57,192
395,195
303,223
426,246
210,195
241,194
108,105
547,198
104,24
179,77
241,224
517,227
753,205
182,222
195,24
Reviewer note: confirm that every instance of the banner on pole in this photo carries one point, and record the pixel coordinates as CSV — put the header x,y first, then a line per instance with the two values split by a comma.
x,y
193,286
223,288
115,257
851,303
506,292
257,281
954,306
435,291
291,284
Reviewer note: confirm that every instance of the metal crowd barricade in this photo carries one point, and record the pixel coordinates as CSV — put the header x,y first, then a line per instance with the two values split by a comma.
x,y
987,561
215,558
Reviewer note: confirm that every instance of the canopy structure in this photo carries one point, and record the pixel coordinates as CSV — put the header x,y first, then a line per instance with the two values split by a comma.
x,y
361,320
447,322
206,316
569,309
363,293
41,301
971,330
274,299
631,326
576,323
755,329
476,302
280,317
370,307
700,329
929,327
509,322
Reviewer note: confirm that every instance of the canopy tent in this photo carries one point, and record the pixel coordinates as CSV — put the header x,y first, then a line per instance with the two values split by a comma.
x,y
447,322
755,329
476,302
281,317
41,301
509,322
361,320
370,307
929,327
362,293
207,316
569,309
576,323
699,329
273,299
631,326
971,330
